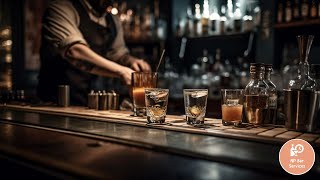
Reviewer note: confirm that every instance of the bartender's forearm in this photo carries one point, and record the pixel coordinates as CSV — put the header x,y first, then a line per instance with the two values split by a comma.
x,y
83,58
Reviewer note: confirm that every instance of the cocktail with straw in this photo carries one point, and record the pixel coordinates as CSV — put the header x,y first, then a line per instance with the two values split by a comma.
x,y
140,81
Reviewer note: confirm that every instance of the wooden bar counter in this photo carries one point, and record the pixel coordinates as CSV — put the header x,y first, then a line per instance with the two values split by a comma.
x,y
73,142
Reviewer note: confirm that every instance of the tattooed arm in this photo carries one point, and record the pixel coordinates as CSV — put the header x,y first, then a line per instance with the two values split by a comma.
x,y
82,57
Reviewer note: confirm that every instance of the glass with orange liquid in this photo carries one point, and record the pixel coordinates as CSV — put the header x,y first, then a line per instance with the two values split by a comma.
x,y
231,106
140,81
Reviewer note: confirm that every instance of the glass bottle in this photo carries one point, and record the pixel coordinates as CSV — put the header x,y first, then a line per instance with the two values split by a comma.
x,y
223,20
313,9
273,97
205,18
256,95
288,12
280,12
305,9
296,10
315,71
197,23
303,81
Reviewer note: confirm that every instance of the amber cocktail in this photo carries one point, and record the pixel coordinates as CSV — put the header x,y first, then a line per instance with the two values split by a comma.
x,y
231,106
140,81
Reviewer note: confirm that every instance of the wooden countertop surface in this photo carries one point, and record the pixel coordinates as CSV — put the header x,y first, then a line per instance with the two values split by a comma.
x,y
214,127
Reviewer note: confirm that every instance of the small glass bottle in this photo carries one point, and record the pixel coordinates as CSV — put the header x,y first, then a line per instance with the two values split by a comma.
x,y
313,9
273,97
315,71
256,95
296,10
280,13
288,12
305,9
303,81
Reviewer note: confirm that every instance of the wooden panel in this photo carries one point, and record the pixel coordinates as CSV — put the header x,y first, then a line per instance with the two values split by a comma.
x,y
273,132
289,135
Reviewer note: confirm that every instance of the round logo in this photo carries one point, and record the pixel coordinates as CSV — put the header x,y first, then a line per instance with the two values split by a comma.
x,y
296,156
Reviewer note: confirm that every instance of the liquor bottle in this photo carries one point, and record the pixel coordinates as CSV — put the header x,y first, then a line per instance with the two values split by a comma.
x,y
273,97
303,81
288,10
196,21
237,22
214,19
304,9
319,9
315,72
313,9
247,22
223,20
280,13
189,30
230,16
205,18
218,67
256,95
296,10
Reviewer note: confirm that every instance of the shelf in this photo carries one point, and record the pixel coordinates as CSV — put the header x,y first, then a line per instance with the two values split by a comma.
x,y
225,35
301,23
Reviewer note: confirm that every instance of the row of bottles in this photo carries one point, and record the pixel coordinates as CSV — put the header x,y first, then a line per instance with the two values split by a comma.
x,y
140,22
5,58
210,71
261,97
231,17
296,10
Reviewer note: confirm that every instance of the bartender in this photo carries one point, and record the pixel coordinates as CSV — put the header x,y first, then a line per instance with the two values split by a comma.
x,y
81,42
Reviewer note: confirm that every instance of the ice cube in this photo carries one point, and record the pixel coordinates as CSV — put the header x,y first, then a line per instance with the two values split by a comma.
x,y
232,102
199,94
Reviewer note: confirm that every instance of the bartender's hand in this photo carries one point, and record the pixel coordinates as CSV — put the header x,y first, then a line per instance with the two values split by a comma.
x,y
125,75
139,65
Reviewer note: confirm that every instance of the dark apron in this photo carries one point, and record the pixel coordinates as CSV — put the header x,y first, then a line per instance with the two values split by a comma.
x,y
56,71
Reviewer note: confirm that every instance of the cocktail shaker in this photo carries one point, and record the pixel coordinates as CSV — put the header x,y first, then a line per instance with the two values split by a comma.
x,y
300,108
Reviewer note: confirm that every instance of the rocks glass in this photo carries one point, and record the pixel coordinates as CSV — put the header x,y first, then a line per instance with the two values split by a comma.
x,y
156,104
231,106
195,104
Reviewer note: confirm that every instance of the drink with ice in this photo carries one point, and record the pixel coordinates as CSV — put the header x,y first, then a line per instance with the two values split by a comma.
x,y
195,103
231,106
156,100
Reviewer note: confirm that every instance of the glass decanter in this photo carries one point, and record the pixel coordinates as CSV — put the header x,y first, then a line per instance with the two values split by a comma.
x,y
303,81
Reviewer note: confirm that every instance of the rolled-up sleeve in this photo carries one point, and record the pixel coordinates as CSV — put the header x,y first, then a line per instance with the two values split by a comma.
x,y
118,49
60,26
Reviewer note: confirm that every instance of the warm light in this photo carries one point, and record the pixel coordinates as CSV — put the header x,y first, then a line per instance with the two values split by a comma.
x,y
6,43
129,12
123,17
114,11
8,58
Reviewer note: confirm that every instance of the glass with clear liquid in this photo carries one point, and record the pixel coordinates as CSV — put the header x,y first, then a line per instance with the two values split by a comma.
x,y
156,104
195,103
